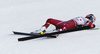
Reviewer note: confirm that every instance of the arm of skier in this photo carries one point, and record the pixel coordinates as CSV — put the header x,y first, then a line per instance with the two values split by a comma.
x,y
89,23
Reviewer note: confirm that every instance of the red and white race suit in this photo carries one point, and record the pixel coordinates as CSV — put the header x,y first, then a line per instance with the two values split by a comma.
x,y
70,24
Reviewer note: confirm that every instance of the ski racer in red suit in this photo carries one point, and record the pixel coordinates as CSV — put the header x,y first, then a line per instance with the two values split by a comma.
x,y
70,24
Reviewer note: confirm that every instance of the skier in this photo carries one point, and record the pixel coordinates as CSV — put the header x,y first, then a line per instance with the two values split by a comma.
x,y
70,24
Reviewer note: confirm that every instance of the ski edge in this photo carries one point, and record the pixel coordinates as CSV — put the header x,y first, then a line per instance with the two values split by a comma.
x,y
32,37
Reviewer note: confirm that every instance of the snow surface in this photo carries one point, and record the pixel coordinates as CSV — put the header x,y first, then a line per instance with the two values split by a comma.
x,y
29,15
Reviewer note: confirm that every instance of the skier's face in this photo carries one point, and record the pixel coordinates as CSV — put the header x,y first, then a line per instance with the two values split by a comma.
x,y
92,18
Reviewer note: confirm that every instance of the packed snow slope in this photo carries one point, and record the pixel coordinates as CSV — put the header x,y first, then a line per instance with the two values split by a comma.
x,y
29,15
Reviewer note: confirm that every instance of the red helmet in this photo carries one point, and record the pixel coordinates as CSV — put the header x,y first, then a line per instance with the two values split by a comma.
x,y
91,17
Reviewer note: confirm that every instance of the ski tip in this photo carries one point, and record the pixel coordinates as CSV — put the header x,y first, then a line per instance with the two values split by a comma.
x,y
13,31
97,28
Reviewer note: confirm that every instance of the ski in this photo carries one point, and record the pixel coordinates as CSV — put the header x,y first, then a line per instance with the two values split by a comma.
x,y
33,36
29,34
21,33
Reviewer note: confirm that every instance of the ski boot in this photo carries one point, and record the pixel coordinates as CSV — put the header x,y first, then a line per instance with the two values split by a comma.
x,y
40,31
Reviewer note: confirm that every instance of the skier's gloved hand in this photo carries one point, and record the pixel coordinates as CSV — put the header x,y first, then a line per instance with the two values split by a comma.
x,y
92,26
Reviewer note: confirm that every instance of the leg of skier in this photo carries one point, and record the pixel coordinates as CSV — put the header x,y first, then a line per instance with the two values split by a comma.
x,y
47,24
66,25
52,21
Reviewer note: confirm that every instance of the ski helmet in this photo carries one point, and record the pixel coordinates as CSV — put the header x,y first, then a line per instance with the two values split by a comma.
x,y
91,17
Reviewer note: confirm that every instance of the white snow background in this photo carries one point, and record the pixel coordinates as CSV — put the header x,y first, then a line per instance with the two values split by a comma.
x,y
30,15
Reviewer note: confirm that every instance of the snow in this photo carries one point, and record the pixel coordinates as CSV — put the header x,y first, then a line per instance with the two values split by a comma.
x,y
29,15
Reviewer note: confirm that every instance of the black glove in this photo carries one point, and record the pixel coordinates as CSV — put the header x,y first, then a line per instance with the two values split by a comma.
x,y
92,26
